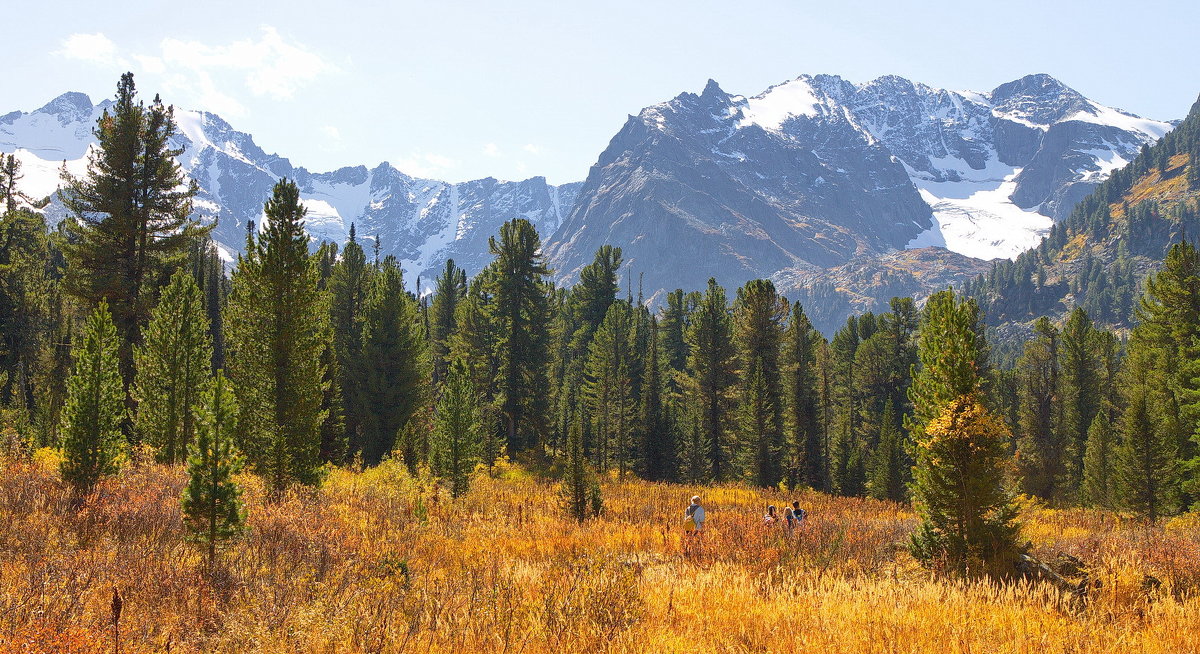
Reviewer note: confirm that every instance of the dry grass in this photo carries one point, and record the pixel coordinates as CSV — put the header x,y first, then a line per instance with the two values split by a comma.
x,y
383,562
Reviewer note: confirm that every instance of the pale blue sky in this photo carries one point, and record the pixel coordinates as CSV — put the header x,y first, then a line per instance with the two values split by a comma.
x,y
460,89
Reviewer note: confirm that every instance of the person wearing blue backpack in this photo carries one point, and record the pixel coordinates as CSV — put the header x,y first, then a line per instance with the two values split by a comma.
x,y
797,514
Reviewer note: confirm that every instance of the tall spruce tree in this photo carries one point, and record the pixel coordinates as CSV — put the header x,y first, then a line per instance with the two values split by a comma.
x,y
173,369
1167,345
95,406
608,391
968,520
712,358
595,292
347,285
1147,464
457,430
886,469
10,176
846,456
952,358
129,215
1041,455
579,490
476,341
277,321
449,289
673,332
758,317
658,446
55,369
393,372
803,400
1099,487
212,501
521,317
27,286
1080,393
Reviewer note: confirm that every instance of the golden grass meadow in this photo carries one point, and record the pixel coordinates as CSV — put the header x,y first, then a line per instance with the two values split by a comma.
x,y
382,561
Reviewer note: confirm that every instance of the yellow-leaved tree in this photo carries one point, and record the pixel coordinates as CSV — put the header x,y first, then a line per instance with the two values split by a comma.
x,y
969,521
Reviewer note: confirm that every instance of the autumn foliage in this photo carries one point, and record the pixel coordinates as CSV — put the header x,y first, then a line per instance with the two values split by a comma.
x,y
383,561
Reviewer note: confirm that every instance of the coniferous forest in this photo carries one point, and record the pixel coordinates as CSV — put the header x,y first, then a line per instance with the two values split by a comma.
x,y
127,341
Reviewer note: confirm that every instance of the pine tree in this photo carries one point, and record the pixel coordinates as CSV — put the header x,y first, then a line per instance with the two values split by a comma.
x,y
1042,455
968,521
712,376
1147,465
658,436
129,215
521,319
10,176
393,372
673,331
95,406
347,285
173,365
27,286
953,358
825,397
885,471
208,271
449,289
607,390
803,401
1168,357
579,490
1099,461
212,503
457,430
564,368
476,341
277,321
335,442
1080,393
595,292
695,464
55,369
846,461
758,318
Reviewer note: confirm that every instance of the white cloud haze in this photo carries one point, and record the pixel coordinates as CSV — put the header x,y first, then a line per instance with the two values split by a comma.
x,y
268,66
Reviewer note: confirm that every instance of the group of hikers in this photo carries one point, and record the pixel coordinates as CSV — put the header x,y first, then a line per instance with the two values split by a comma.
x,y
793,518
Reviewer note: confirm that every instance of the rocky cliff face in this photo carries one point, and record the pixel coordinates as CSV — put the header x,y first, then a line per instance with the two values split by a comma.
x,y
817,172
695,188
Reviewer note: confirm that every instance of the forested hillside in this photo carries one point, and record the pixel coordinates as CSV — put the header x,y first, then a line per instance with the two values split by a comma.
x,y
1099,256
344,438
328,359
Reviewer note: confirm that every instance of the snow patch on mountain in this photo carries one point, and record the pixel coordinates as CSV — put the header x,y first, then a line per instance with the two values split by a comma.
x,y
977,218
961,149
41,177
1101,115
770,109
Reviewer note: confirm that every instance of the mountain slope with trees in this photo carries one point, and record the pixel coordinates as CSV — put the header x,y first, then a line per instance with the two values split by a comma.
x,y
1099,256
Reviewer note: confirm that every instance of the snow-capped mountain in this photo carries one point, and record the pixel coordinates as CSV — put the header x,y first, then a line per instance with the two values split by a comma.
x,y
421,221
810,176
818,171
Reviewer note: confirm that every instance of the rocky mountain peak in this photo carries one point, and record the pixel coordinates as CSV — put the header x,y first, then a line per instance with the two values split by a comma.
x,y
68,107
1039,99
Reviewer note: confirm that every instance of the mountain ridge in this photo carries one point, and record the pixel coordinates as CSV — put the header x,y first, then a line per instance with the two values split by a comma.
x,y
808,175
421,221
